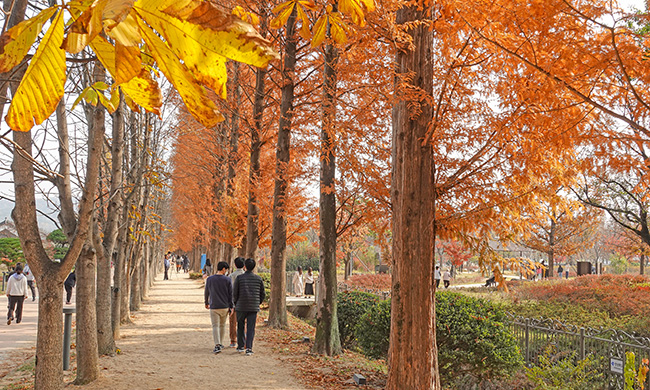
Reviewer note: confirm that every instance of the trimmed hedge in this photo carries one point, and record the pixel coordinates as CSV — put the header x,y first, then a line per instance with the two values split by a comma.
x,y
350,308
472,336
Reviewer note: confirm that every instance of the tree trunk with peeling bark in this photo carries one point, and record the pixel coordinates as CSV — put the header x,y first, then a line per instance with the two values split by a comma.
x,y
327,328
413,354
277,302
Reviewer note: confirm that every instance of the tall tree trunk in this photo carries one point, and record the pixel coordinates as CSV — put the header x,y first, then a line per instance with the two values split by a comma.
x,y
252,221
119,276
551,249
277,302
327,328
413,353
87,357
105,247
642,264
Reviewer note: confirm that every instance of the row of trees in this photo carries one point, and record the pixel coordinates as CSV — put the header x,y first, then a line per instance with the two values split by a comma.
x,y
109,176
497,111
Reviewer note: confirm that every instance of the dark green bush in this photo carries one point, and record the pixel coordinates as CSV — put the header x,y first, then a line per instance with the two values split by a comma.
x,y
266,278
373,330
351,306
473,338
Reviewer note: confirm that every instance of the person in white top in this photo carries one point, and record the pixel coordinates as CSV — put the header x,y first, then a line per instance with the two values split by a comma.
x,y
446,278
16,292
30,281
309,282
436,276
298,283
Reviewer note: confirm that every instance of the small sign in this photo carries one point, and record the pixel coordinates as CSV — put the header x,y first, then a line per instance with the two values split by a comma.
x,y
616,365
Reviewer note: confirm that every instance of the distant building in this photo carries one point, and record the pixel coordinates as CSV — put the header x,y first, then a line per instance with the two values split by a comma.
x,y
8,229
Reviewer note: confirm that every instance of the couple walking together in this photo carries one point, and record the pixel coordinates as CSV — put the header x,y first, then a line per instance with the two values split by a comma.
x,y
236,297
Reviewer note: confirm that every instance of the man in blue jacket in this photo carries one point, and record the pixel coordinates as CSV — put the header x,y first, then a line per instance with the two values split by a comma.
x,y
248,294
218,298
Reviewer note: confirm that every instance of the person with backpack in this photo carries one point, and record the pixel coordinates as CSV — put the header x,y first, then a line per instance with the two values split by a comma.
x,y
69,284
248,294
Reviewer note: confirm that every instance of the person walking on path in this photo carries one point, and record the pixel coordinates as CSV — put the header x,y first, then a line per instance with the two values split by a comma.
x,y
298,283
446,278
560,271
248,295
186,264
218,298
437,276
309,282
16,292
167,263
239,270
69,283
30,281
207,268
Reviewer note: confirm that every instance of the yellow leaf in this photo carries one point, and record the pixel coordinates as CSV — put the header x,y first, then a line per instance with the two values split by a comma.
x,y
42,85
284,11
91,96
308,4
353,8
142,88
246,16
144,91
115,12
370,5
129,102
194,96
304,28
126,32
319,32
85,28
106,103
128,62
200,26
16,42
338,28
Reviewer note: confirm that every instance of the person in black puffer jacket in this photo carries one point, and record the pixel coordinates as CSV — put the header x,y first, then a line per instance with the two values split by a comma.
x,y
248,294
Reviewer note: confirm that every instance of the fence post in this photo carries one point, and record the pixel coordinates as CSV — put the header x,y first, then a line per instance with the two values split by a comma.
x,y
582,343
527,342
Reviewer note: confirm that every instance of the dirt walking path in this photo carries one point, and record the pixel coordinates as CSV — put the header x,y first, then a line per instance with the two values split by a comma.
x,y
169,347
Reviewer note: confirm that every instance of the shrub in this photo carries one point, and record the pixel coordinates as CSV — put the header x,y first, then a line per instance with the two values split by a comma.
x,y
377,282
196,275
563,372
266,278
373,330
617,295
351,306
473,338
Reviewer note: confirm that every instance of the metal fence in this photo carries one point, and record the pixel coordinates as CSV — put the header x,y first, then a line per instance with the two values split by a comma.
x,y
606,346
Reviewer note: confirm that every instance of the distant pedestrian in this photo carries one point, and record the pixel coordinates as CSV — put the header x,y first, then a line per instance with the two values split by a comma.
x,y
207,268
560,271
437,276
16,293
218,298
309,282
248,294
446,278
179,263
167,263
186,264
239,270
566,272
298,283
69,284
30,281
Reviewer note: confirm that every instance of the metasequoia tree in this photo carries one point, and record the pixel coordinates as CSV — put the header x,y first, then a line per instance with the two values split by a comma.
x,y
470,152
562,227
